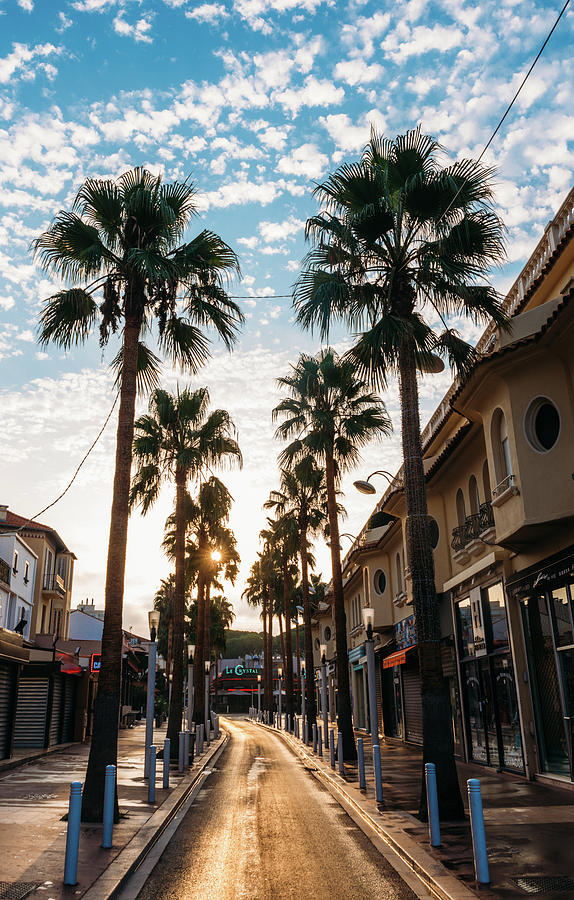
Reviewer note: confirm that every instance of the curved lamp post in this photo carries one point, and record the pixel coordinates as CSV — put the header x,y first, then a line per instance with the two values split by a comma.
x,y
365,487
324,692
207,665
190,686
280,676
259,695
368,619
153,619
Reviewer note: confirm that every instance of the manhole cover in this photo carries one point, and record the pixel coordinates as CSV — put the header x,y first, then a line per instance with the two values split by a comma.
x,y
16,890
541,884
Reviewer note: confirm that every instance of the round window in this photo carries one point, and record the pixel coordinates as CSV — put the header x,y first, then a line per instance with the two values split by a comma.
x,y
542,424
380,581
434,532
327,633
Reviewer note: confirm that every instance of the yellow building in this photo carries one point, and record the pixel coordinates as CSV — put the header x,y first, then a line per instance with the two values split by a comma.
x,y
500,483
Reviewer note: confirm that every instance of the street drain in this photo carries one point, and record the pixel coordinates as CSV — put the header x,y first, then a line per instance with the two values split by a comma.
x,y
16,890
541,884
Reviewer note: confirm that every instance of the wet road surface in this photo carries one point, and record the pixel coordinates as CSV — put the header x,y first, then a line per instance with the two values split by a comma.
x,y
263,828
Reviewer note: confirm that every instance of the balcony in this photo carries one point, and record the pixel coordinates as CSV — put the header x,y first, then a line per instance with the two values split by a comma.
x,y
470,538
4,572
504,491
53,585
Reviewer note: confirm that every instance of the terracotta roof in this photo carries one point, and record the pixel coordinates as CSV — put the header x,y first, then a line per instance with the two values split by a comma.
x,y
13,520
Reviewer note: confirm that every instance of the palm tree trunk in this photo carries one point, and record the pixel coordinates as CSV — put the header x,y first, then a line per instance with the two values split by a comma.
x,y
298,646
207,632
265,657
438,744
283,657
288,648
169,649
310,705
269,655
198,670
344,712
176,700
104,745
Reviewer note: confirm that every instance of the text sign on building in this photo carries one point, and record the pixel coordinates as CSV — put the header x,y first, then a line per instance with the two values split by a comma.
x,y
239,671
405,634
477,622
95,662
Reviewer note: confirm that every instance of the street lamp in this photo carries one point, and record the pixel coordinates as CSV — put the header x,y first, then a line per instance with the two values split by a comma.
x,y
302,680
368,619
259,696
207,666
365,487
153,619
324,692
190,686
280,676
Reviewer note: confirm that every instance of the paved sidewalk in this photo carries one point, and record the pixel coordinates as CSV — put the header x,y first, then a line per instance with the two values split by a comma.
x,y
34,797
529,826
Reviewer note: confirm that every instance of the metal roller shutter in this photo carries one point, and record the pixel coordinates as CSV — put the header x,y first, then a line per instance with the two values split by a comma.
x,y
7,683
379,686
56,717
413,704
69,707
31,709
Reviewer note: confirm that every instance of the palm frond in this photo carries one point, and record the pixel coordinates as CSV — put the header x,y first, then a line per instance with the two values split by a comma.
x,y
67,318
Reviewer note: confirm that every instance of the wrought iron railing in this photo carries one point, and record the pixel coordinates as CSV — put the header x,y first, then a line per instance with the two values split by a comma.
x,y
504,485
4,572
54,582
472,527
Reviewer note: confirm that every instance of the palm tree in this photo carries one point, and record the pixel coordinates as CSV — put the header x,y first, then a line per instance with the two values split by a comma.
x,y
331,414
177,440
303,495
256,594
401,245
120,247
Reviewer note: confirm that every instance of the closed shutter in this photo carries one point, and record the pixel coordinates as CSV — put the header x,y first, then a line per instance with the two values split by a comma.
x,y
379,686
31,709
69,708
57,702
7,681
413,704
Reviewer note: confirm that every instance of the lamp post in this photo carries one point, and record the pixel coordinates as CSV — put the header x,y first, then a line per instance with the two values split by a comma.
x,y
153,619
259,696
302,680
368,619
190,687
207,728
324,691
280,675
365,487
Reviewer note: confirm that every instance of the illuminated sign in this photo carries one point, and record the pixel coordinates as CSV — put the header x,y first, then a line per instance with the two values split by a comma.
x,y
95,662
239,671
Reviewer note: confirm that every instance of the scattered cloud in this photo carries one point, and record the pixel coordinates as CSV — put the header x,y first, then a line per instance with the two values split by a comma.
x,y
139,31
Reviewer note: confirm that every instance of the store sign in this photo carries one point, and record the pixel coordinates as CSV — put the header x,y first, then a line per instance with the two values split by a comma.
x,y
405,634
95,662
477,622
240,671
553,574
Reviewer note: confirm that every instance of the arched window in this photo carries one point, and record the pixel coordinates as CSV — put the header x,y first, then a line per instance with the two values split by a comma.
x,y
473,495
501,446
460,507
486,481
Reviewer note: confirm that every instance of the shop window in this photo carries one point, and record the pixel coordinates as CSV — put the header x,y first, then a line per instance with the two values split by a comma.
x,y
473,495
460,507
486,481
380,581
496,616
561,608
542,424
466,632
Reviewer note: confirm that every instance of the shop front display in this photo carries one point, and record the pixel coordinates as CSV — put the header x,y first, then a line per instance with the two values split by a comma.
x,y
488,680
402,705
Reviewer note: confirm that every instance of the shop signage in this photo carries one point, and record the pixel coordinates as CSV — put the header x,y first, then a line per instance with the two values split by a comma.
x,y
95,662
405,634
554,574
477,622
240,671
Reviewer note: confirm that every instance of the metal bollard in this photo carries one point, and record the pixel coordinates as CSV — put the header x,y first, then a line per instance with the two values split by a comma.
x,y
202,735
151,774
478,832
432,805
314,737
361,759
332,747
340,753
197,735
109,797
319,740
181,752
166,755
378,773
186,750
73,833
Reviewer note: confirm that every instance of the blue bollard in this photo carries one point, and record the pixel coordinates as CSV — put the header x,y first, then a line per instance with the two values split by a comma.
x,y
332,747
151,774
378,773
432,805
186,750
340,757
197,740
319,740
314,737
166,755
73,833
181,750
361,759
478,832
109,797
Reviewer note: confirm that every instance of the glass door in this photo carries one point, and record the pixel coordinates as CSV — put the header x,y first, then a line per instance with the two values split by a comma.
x,y
475,711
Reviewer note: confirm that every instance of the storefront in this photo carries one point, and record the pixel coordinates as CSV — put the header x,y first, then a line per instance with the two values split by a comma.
x,y
358,672
402,707
546,596
490,702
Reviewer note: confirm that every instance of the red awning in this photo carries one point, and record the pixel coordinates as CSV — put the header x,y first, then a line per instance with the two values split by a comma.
x,y
398,658
69,666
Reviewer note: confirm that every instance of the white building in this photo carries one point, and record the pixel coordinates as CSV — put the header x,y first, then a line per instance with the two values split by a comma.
x,y
17,581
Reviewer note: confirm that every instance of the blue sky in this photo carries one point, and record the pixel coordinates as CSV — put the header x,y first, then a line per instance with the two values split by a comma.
x,y
256,100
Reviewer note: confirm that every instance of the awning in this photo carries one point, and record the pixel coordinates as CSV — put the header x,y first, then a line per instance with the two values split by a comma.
x,y
398,658
69,666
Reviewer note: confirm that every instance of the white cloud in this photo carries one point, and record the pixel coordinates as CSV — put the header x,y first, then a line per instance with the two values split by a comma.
x,y
357,71
26,5
305,160
349,137
24,61
404,43
278,231
7,303
139,32
313,92
207,12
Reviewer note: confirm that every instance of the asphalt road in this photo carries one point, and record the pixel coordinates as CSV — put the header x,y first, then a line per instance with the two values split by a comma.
x,y
264,828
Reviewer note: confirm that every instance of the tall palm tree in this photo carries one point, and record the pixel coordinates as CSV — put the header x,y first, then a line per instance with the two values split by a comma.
x,y
177,440
331,413
303,495
121,250
403,243
256,594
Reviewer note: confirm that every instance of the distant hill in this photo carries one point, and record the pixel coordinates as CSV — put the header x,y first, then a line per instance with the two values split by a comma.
x,y
243,643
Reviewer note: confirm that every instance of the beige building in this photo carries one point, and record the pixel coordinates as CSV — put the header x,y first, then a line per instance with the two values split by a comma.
x,y
500,482
54,574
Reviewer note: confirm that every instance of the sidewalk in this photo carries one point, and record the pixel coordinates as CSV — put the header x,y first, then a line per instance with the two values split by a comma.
x,y
34,797
529,826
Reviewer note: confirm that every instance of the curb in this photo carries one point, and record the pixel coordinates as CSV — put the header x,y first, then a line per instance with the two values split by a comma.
x,y
7,765
430,872
114,878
